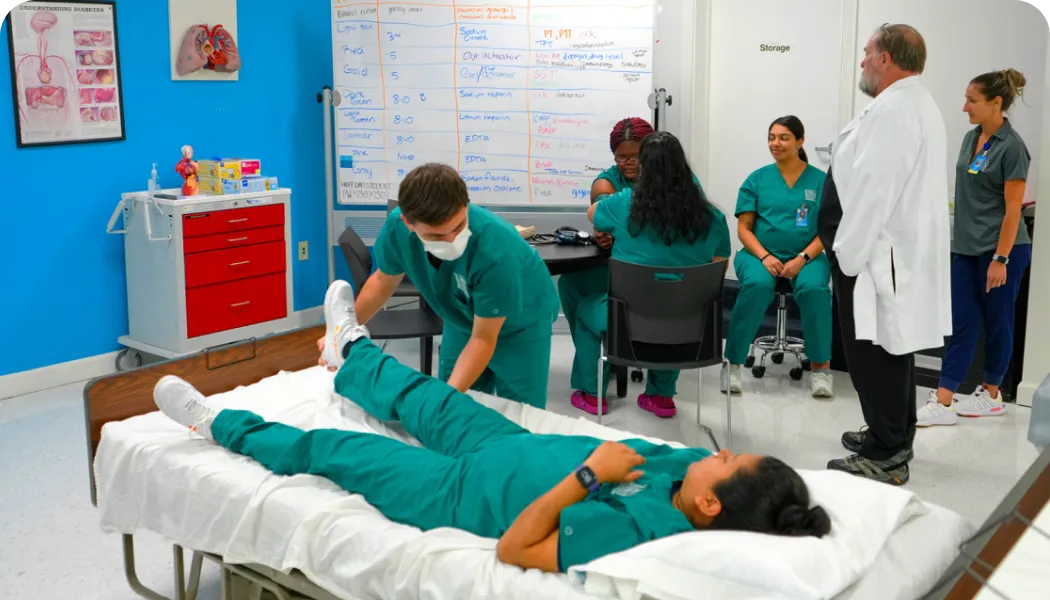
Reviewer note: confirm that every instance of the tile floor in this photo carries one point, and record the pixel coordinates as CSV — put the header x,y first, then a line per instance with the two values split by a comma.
x,y
51,546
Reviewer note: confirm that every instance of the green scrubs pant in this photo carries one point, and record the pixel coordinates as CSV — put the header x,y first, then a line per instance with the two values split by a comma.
x,y
519,367
592,320
812,294
411,485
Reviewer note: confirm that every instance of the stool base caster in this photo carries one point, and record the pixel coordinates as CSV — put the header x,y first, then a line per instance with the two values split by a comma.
x,y
758,372
637,376
796,373
807,365
750,362
778,358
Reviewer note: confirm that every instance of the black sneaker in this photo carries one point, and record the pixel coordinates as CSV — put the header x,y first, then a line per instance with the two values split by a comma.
x,y
893,471
853,440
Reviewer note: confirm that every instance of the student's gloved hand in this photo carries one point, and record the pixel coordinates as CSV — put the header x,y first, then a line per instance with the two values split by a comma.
x,y
322,361
614,462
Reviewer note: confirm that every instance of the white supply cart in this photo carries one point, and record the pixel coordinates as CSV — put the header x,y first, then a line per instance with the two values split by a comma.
x,y
203,271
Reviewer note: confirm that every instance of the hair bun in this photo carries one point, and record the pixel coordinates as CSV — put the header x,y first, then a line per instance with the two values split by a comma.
x,y
797,520
1016,80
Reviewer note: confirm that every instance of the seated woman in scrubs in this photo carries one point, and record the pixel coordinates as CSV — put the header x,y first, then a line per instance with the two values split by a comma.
x,y
553,501
991,250
586,286
663,221
777,222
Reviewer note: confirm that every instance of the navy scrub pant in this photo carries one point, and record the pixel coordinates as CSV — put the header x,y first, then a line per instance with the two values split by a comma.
x,y
972,307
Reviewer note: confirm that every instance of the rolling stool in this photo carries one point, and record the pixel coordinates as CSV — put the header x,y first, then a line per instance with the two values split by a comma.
x,y
780,343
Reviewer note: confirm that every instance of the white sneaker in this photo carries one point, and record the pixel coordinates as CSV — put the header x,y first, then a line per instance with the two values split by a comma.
x,y
182,403
981,404
341,322
730,376
935,413
821,384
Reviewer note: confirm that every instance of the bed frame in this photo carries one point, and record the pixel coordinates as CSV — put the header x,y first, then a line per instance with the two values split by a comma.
x,y
212,371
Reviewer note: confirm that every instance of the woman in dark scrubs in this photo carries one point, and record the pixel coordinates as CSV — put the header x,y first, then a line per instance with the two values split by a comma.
x,y
991,250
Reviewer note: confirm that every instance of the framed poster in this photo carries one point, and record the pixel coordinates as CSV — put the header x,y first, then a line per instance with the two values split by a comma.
x,y
65,73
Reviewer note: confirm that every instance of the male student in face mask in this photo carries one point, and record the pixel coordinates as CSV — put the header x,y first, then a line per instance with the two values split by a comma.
x,y
490,287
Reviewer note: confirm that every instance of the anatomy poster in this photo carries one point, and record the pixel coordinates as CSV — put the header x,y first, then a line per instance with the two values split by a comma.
x,y
65,70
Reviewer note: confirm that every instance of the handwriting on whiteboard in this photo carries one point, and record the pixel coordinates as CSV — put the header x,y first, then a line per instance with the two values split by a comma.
x,y
519,95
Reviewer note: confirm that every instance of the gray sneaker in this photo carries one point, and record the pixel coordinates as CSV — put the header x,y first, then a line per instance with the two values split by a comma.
x,y
853,440
893,471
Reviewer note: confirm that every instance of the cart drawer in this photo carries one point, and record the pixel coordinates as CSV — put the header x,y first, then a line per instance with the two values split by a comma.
x,y
234,219
234,304
220,241
217,266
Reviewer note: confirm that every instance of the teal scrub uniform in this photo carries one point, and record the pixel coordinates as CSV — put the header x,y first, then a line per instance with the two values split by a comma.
x,y
476,471
499,275
611,216
785,223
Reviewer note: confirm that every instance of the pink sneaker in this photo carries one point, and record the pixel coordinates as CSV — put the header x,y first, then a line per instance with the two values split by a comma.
x,y
661,406
588,403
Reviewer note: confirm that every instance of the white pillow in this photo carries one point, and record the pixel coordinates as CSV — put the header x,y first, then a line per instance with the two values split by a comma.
x,y
732,564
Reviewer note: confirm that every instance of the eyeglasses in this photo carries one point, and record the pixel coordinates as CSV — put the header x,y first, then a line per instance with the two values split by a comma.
x,y
626,160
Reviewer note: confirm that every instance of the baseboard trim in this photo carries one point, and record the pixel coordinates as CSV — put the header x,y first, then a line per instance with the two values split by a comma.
x,y
1026,392
44,378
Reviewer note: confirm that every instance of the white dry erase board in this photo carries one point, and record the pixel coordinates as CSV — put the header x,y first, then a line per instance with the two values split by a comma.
x,y
519,95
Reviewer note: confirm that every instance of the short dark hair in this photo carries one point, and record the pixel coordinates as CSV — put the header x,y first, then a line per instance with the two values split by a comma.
x,y
769,498
1007,84
904,44
797,129
432,194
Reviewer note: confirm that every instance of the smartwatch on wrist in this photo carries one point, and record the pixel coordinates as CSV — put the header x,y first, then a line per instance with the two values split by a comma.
x,y
805,257
999,258
585,475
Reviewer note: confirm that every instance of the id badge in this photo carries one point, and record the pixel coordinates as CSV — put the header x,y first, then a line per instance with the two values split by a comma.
x,y
802,216
978,164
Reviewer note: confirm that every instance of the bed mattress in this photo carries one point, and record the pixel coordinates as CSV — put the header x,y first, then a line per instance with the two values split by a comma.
x,y
152,474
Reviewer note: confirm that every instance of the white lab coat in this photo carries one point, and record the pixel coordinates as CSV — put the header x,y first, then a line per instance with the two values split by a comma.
x,y
890,168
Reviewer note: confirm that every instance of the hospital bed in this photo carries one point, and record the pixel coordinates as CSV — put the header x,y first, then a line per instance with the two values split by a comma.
x,y
302,537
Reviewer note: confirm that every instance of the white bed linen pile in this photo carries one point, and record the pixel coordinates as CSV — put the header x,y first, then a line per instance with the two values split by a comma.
x,y
152,474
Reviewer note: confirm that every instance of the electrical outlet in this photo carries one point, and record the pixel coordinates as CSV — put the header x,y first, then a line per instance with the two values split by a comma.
x,y
304,250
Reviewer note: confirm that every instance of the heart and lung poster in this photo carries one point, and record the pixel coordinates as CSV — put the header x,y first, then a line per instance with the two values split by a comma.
x,y
65,70
203,39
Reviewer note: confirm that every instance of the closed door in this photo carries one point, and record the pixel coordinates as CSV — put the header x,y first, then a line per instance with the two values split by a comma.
x,y
768,60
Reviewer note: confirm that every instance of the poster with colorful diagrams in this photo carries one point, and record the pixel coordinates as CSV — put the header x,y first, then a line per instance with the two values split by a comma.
x,y
65,70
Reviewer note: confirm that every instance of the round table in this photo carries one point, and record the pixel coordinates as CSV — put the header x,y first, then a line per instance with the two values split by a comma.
x,y
569,259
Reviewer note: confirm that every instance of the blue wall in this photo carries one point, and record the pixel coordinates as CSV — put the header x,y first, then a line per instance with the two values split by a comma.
x,y
62,284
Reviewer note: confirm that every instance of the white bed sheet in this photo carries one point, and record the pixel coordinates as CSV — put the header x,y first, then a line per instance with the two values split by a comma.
x,y
151,474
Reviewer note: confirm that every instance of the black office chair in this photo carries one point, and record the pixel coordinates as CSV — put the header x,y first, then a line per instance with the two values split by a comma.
x,y
422,322
665,318
780,343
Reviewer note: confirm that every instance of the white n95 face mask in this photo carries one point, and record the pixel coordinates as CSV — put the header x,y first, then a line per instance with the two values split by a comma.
x,y
448,250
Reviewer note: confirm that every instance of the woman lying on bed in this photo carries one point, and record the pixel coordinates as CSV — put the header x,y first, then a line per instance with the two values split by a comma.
x,y
553,501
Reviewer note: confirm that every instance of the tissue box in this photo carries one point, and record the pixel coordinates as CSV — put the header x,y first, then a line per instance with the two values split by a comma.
x,y
247,185
230,168
210,185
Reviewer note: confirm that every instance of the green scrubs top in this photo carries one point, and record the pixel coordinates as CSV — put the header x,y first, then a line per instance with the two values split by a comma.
x,y
980,201
785,218
648,248
620,183
499,274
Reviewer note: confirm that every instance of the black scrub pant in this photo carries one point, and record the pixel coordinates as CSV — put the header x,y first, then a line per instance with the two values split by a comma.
x,y
885,382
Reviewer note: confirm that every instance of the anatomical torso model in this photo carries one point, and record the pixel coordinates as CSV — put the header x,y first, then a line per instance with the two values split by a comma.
x,y
188,168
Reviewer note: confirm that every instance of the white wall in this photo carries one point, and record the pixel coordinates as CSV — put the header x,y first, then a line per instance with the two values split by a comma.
x,y
1037,342
817,78
962,42
750,87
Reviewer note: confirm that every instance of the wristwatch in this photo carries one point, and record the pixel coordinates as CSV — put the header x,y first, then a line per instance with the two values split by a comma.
x,y
999,258
587,478
805,257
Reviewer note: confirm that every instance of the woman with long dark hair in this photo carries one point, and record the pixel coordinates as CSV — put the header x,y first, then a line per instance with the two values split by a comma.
x,y
777,223
664,220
